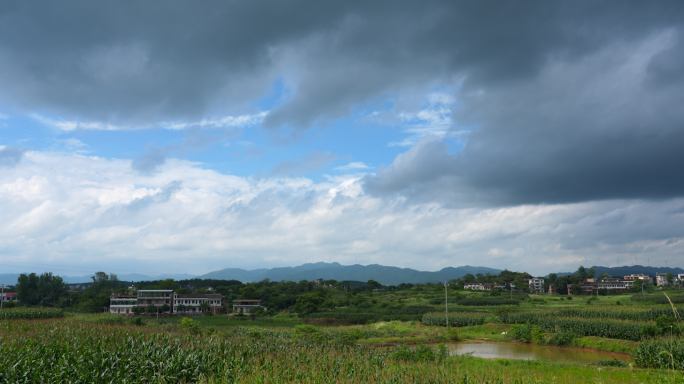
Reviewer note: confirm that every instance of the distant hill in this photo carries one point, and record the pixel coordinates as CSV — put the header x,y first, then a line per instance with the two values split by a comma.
x,y
629,270
382,274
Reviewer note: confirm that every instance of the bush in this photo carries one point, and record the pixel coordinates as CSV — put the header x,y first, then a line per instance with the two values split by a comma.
x,y
611,363
189,324
308,333
522,332
563,338
455,319
10,305
255,333
421,353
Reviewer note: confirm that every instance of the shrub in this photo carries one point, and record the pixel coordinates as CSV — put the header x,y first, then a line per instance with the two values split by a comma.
x,y
189,324
563,338
308,333
522,332
611,363
255,333
421,353
10,305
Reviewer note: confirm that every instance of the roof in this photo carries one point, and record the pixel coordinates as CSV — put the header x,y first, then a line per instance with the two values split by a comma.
x,y
124,297
10,294
198,296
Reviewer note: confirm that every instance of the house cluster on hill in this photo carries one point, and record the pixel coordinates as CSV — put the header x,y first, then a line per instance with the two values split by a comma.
x,y
589,286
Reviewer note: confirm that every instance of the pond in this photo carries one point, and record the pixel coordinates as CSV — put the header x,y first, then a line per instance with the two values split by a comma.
x,y
529,352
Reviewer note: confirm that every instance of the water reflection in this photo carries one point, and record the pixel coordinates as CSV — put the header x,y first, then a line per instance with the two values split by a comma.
x,y
528,352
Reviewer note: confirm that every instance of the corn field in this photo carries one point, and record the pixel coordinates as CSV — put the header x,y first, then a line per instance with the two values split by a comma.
x,y
31,313
667,354
72,351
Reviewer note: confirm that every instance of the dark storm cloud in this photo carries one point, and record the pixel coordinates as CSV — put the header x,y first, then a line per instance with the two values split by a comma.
x,y
140,63
567,101
11,156
609,126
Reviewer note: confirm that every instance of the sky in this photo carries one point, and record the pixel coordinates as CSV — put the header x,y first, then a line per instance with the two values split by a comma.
x,y
184,138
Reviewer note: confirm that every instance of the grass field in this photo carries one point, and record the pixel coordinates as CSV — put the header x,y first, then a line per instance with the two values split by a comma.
x,y
93,349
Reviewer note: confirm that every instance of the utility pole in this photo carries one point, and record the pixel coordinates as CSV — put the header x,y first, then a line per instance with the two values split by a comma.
x,y
446,299
2,298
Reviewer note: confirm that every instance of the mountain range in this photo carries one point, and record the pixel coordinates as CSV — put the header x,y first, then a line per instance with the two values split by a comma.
x,y
383,274
310,271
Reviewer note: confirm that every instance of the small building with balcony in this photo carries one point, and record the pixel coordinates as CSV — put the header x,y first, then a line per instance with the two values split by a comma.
x,y
245,306
122,304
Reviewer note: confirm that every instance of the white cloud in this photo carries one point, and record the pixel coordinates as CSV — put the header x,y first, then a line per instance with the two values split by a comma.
x,y
241,121
74,209
354,166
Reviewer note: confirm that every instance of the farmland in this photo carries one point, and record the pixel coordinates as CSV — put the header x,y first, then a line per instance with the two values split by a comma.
x,y
381,343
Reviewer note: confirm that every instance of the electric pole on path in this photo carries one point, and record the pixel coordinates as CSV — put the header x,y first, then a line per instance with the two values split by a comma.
x,y
446,300
2,298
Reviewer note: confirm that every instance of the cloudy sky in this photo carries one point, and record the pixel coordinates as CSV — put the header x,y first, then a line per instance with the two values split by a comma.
x,y
184,138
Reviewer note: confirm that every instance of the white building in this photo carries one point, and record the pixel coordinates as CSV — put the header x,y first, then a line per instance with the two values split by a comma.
x,y
536,284
191,303
122,304
245,306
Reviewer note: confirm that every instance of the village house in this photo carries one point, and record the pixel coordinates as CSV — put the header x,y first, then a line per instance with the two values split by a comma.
x,y
640,276
245,306
536,284
591,286
8,296
122,304
192,303
177,303
482,286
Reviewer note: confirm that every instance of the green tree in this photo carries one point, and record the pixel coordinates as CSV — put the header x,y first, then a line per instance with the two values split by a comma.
x,y
150,309
137,310
45,290
307,303
167,284
181,308
165,308
10,304
372,285
204,306
636,286
604,275
469,278
576,289
248,292
670,278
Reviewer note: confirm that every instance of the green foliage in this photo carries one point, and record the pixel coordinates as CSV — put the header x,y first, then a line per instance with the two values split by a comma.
x,y
10,305
45,290
455,319
190,325
564,338
31,313
421,353
308,333
487,302
668,353
522,332
611,363
308,303
256,333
